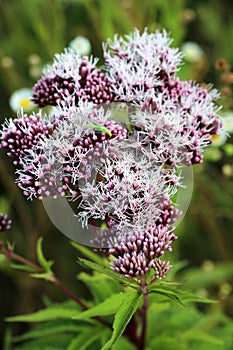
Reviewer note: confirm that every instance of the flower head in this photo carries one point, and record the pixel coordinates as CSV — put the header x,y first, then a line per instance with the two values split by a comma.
x,y
21,135
137,256
69,76
5,223
139,62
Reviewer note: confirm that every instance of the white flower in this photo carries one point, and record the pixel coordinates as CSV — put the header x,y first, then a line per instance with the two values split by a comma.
x,y
219,139
227,120
227,127
192,51
21,99
81,45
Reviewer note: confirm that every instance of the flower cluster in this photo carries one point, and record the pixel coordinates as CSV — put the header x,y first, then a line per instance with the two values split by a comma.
x,y
137,255
72,75
119,167
5,222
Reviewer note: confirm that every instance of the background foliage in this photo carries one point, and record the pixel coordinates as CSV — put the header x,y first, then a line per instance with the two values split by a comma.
x,y
31,32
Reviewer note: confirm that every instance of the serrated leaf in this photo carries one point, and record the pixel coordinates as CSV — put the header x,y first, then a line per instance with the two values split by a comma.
x,y
191,297
60,311
52,342
107,271
123,315
106,308
88,253
178,295
100,286
52,327
168,294
83,340
45,264
168,284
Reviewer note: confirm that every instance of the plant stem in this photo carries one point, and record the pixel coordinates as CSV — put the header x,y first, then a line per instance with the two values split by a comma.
x,y
144,322
9,254
144,315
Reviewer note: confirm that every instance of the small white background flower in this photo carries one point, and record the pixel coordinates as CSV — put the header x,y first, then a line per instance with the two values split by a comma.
x,y
21,99
227,120
192,51
219,139
81,45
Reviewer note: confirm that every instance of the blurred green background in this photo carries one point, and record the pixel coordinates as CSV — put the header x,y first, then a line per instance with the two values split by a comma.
x,y
31,32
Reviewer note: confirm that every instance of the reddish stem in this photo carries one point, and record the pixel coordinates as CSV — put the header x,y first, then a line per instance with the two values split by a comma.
x,y
9,254
143,313
144,322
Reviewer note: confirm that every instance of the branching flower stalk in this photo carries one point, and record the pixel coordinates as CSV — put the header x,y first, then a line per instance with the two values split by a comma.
x,y
119,173
9,254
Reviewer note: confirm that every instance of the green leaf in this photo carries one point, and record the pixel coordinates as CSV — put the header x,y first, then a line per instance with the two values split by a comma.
x,y
106,308
123,344
123,315
178,295
88,253
83,340
52,327
50,342
100,286
168,284
105,335
59,311
7,340
107,271
168,294
44,275
199,335
45,264
22,267
191,297
166,342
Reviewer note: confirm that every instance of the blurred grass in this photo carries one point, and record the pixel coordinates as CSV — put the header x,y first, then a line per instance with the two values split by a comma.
x,y
42,28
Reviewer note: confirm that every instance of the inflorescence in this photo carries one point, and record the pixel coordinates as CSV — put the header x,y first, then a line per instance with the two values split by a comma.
x,y
118,172
5,222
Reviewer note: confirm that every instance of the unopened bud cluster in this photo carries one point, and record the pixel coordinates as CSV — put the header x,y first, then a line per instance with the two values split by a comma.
x,y
5,222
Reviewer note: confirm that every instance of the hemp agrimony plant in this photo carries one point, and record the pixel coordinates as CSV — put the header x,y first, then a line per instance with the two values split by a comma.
x,y
113,146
